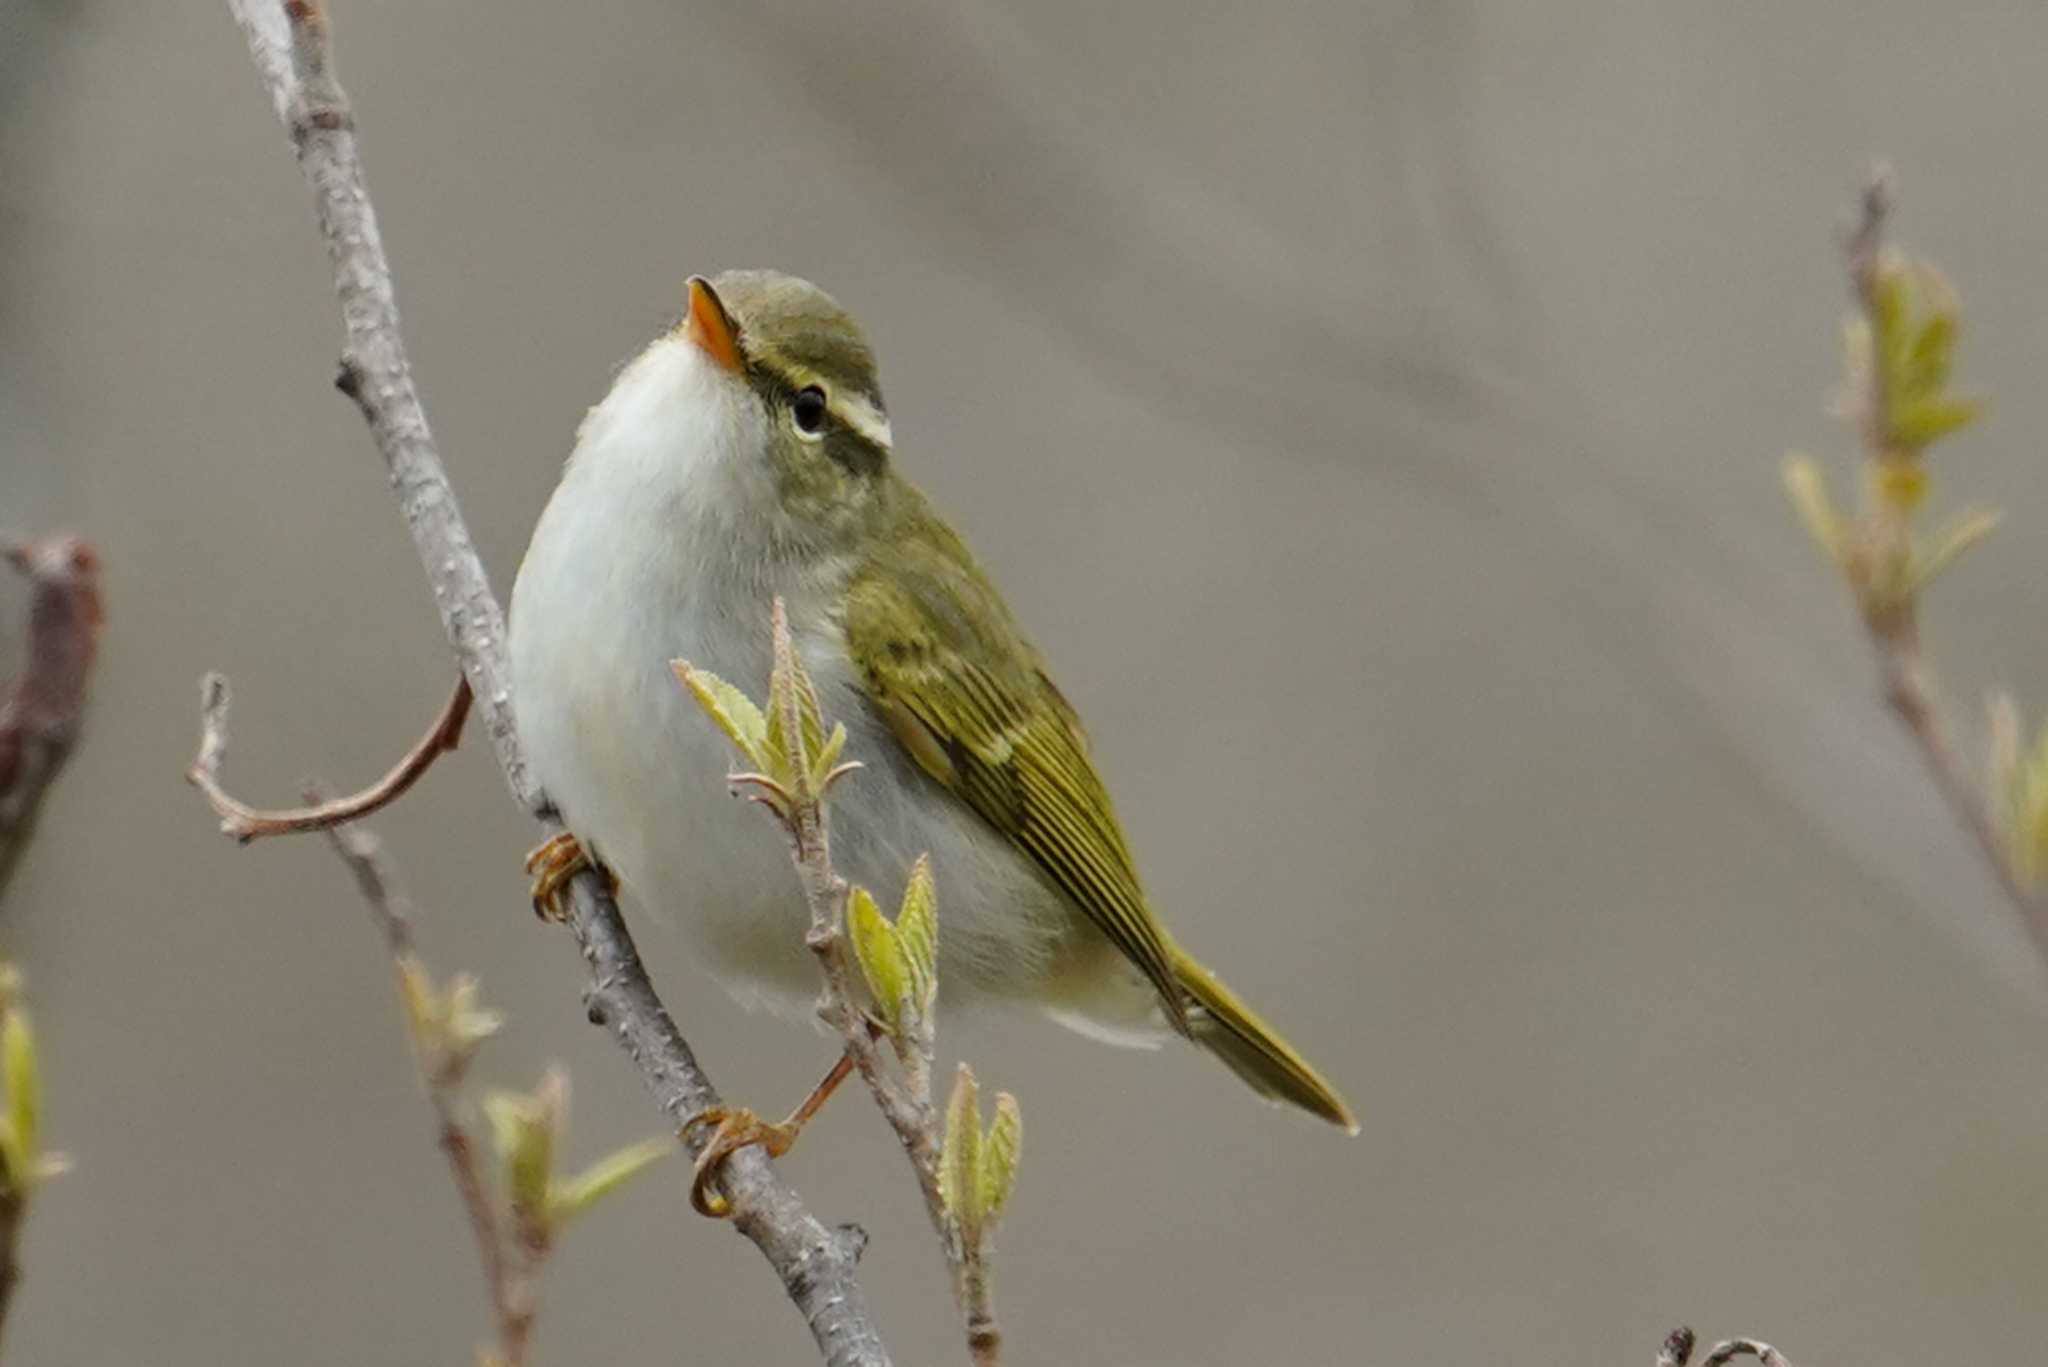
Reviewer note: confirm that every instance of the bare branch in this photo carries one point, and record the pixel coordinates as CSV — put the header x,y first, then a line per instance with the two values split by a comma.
x,y
289,44
246,823
41,711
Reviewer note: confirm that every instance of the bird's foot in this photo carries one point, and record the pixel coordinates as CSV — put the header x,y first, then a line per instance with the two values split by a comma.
x,y
739,1128
553,863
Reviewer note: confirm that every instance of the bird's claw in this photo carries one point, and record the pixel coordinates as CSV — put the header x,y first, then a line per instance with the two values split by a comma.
x,y
738,1128
553,863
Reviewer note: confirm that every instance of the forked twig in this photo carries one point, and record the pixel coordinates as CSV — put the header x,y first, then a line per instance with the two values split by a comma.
x,y
246,823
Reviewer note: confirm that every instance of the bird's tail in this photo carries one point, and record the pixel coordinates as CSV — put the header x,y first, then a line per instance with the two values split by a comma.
x,y
1252,1049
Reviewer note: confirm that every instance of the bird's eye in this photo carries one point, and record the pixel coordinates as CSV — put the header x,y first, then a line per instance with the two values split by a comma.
x,y
808,409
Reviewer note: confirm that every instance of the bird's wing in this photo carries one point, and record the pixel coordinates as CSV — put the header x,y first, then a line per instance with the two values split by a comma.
x,y
968,698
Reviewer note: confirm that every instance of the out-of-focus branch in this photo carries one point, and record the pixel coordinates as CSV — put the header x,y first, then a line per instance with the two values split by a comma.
x,y
1679,1343
289,43
1898,398
508,1278
515,1231
1894,620
42,709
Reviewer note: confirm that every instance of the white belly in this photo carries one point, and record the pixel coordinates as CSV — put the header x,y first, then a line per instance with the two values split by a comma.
x,y
627,571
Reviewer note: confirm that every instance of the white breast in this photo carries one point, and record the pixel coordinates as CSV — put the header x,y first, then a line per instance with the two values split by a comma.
x,y
654,548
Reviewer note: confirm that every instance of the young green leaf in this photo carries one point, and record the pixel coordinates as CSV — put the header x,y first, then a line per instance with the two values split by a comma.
x,y
469,1024
999,1156
24,1085
1959,536
960,1155
790,689
827,758
1928,364
1918,423
879,951
526,1127
1891,303
732,710
1808,489
569,1199
917,930
447,1025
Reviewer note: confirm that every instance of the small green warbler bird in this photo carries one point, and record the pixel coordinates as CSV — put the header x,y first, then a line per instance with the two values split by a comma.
x,y
746,455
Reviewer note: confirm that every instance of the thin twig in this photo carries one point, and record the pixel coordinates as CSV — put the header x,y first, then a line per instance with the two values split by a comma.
x,y
246,823
42,709
289,44
508,1279
1893,620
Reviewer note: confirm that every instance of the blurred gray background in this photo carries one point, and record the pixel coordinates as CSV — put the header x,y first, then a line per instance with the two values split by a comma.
x,y
1375,410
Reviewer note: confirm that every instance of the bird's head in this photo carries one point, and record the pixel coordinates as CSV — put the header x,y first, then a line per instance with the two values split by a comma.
x,y
796,371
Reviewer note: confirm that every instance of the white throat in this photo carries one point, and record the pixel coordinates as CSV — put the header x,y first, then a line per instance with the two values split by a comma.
x,y
672,461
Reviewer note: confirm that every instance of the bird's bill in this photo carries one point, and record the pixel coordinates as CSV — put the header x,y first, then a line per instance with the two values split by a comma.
x,y
710,328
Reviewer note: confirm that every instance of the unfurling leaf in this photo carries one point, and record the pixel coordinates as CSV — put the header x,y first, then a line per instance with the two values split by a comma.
x,y
447,1024
960,1155
732,710
790,691
917,931
1911,338
999,1157
879,951
1959,536
1808,489
1919,423
24,1087
23,1163
1927,364
526,1127
1889,302
468,1023
569,1199
827,758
